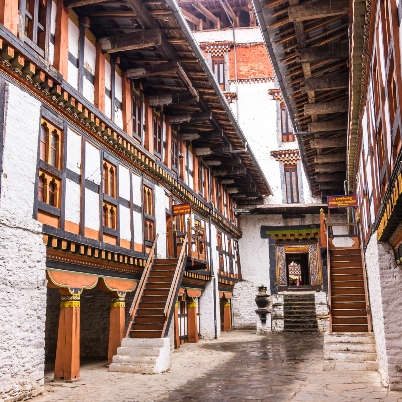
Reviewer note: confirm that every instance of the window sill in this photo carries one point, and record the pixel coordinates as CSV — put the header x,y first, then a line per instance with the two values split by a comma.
x,y
50,209
110,231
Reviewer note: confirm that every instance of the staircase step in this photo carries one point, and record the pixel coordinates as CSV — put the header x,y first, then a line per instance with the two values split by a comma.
x,y
352,337
150,311
143,343
152,304
165,261
350,356
356,290
347,271
346,257
150,318
135,360
163,268
350,366
345,251
349,328
138,351
353,320
154,298
348,298
350,347
158,285
147,326
159,279
346,264
349,284
146,334
338,312
346,276
156,292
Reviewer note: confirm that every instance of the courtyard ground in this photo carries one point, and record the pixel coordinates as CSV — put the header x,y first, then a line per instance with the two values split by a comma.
x,y
239,366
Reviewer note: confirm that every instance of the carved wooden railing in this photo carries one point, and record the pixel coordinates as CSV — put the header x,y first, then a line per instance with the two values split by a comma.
x,y
178,275
141,286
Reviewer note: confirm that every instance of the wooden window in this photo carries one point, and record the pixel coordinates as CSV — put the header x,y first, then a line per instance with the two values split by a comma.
x,y
292,188
148,201
149,232
49,189
109,179
35,14
50,144
175,152
157,132
220,251
109,216
286,125
136,110
218,67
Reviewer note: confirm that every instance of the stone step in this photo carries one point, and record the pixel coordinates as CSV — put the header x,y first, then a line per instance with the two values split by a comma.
x,y
354,337
132,359
133,368
349,366
138,351
350,347
140,343
301,329
350,356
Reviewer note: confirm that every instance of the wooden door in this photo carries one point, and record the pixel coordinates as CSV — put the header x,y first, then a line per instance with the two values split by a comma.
x,y
169,237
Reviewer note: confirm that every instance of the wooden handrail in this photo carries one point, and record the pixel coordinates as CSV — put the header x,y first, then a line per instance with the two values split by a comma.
x,y
329,283
141,285
173,288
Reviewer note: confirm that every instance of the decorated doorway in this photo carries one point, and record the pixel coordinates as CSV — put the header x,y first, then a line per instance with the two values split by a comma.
x,y
298,267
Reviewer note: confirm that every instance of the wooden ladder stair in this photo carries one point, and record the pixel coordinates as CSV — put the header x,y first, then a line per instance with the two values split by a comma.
x,y
150,317
348,299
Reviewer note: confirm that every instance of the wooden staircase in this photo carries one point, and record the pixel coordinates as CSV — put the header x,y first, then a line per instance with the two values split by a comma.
x,y
150,318
348,310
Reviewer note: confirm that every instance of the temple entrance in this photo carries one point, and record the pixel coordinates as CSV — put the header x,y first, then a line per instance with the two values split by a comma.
x,y
297,268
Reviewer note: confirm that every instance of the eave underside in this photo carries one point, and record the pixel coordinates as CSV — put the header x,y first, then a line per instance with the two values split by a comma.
x,y
310,47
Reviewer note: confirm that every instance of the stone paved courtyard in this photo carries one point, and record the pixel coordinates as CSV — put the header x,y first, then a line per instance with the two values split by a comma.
x,y
240,366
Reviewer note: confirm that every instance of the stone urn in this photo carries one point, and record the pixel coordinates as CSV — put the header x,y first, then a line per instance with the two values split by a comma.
x,y
262,301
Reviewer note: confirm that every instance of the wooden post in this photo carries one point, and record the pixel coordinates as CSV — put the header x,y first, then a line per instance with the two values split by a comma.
x,y
67,364
192,322
323,234
61,40
127,104
9,15
227,316
100,79
117,323
176,326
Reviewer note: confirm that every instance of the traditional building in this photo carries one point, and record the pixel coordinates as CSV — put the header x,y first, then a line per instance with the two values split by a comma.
x,y
279,247
338,64
121,167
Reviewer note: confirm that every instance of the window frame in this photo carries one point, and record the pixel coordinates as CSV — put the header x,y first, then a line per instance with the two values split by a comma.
x,y
218,68
286,125
157,134
137,116
175,153
292,170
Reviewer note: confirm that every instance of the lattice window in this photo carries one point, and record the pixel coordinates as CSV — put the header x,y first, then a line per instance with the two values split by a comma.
x,y
292,188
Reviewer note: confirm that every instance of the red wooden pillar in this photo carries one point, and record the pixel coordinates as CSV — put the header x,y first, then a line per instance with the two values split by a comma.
x,y
100,79
9,15
117,323
126,104
192,329
227,316
67,365
176,326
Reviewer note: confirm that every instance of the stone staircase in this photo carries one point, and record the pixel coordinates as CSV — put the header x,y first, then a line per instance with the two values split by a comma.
x,y
350,351
348,302
145,356
299,312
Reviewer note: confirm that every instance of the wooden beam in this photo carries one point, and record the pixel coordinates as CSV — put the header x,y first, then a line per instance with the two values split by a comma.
x,y
328,142
169,99
192,18
131,41
338,124
190,136
113,14
326,107
338,50
330,177
186,117
80,3
318,9
338,157
229,10
213,18
330,186
155,69
213,151
330,167
332,81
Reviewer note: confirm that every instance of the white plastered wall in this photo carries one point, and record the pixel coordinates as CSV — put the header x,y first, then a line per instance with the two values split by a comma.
x,y
22,254
73,48
384,283
89,65
137,216
92,173
124,212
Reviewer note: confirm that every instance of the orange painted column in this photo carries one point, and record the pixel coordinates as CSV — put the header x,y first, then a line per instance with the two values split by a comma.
x,y
61,40
9,15
126,104
99,100
117,323
192,330
176,326
227,316
67,365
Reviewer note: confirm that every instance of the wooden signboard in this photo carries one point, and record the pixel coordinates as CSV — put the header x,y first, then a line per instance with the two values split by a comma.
x,y
342,201
181,209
